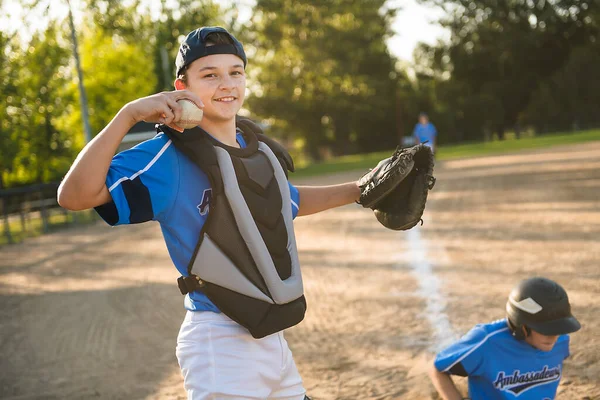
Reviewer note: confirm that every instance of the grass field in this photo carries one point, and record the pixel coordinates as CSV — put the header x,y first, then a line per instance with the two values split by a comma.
x,y
366,161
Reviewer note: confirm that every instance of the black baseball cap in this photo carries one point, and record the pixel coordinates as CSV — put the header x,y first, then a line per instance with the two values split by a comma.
x,y
194,47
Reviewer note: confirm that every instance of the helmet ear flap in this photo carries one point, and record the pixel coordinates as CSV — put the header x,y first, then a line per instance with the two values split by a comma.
x,y
522,333
519,332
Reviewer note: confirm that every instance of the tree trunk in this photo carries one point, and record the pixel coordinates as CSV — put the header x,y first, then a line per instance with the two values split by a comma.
x,y
341,144
82,94
399,119
4,210
313,145
501,132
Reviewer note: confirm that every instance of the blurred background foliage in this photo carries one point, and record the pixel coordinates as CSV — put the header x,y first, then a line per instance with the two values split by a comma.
x,y
319,75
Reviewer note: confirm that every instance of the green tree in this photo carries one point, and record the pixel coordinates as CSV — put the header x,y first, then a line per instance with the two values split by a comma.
x,y
159,36
116,72
119,45
322,72
569,99
8,132
500,50
43,148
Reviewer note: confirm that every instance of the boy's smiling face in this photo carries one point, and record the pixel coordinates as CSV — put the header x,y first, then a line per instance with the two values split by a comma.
x,y
220,81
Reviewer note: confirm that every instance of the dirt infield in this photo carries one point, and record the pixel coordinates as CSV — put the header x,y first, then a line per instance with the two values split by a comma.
x,y
94,312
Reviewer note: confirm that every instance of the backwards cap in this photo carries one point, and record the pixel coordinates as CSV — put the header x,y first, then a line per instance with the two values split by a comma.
x,y
194,47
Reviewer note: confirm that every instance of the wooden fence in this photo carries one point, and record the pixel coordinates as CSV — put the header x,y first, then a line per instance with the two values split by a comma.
x,y
33,210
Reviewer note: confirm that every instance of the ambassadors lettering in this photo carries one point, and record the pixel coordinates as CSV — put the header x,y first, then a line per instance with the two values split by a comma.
x,y
518,382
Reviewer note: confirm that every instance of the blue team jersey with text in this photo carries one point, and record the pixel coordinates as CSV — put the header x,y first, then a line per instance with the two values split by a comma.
x,y
501,367
154,181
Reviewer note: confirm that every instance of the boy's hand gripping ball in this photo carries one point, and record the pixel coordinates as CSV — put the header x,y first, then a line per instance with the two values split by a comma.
x,y
191,115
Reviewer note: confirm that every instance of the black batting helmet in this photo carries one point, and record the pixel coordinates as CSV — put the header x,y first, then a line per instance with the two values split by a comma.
x,y
542,305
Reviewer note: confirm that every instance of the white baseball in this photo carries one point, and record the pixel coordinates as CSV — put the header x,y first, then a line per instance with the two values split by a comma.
x,y
191,115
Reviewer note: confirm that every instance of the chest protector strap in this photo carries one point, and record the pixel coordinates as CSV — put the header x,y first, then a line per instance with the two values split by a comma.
x,y
246,261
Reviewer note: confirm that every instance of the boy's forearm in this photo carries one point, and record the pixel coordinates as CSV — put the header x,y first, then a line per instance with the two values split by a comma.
x,y
84,185
444,385
314,199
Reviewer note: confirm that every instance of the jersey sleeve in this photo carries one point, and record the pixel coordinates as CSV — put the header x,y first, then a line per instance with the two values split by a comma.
x,y
143,183
464,357
295,196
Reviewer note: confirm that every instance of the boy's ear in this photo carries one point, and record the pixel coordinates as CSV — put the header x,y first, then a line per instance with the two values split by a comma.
x,y
179,85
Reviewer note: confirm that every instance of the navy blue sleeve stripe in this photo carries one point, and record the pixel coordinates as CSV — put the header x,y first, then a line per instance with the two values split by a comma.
x,y
489,335
108,212
458,369
138,199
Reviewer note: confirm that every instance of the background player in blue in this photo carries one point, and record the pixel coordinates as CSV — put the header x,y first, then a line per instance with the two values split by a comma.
x,y
219,359
520,357
425,132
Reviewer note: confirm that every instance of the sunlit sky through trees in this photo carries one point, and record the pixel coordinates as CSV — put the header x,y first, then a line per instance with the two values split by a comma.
x,y
414,23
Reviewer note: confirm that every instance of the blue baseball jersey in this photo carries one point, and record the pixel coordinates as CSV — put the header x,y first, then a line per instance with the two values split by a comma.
x,y
500,366
154,181
425,133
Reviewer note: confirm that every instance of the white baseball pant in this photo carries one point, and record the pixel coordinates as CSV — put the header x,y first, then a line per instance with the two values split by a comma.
x,y
219,359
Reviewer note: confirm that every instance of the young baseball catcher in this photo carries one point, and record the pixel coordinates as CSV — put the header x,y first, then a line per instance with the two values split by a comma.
x,y
520,357
220,191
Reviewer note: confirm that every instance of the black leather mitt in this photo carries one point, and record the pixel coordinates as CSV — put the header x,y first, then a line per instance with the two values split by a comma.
x,y
396,189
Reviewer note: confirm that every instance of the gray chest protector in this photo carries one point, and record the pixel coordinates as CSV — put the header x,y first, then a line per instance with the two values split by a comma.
x,y
246,261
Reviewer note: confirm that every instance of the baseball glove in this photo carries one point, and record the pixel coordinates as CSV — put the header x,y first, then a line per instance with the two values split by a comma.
x,y
396,189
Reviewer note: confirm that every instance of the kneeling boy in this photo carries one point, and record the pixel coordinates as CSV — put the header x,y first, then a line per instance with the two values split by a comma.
x,y
519,357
